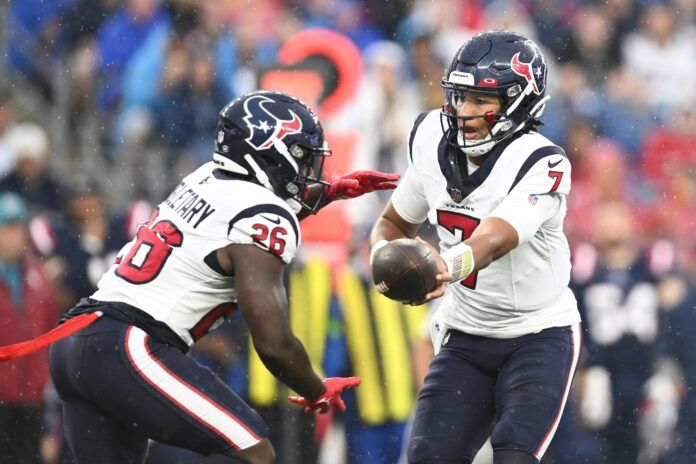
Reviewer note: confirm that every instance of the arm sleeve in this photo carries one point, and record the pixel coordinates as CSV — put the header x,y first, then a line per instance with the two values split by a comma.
x,y
527,212
408,198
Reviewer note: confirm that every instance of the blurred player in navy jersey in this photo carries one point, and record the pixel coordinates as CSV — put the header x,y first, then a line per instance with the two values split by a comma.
x,y
678,335
81,245
616,284
219,242
506,335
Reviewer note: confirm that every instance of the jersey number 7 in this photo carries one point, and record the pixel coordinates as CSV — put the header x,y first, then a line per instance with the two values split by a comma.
x,y
456,221
153,245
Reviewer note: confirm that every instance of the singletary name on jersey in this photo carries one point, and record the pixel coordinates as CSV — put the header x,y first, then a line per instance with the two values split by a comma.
x,y
170,269
189,205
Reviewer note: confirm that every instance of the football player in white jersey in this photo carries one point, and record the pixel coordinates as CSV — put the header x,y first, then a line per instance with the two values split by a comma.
x,y
219,242
506,334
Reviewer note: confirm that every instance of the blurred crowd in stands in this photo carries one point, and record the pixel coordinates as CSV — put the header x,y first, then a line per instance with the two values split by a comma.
x,y
104,104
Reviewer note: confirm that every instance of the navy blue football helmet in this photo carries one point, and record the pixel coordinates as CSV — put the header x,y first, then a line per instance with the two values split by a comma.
x,y
507,65
275,140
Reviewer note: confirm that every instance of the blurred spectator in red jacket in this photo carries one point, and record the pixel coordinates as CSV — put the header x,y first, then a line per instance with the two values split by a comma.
x,y
27,309
600,175
668,160
670,148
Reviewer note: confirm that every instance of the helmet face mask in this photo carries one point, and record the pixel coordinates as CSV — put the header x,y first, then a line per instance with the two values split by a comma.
x,y
504,64
274,140
472,147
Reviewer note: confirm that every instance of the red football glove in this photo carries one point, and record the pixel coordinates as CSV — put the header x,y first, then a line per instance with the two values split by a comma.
x,y
331,397
358,183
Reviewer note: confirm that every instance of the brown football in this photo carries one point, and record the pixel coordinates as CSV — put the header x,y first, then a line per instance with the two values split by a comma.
x,y
404,270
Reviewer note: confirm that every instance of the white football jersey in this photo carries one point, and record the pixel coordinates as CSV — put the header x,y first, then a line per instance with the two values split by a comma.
x,y
524,180
170,269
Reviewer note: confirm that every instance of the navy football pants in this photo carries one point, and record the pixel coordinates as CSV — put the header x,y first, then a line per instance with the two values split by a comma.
x,y
512,390
120,387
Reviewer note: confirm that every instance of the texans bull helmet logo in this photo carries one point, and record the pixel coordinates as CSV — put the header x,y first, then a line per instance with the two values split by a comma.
x,y
264,126
525,70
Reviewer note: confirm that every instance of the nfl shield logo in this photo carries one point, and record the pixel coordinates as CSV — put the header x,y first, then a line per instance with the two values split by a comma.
x,y
456,194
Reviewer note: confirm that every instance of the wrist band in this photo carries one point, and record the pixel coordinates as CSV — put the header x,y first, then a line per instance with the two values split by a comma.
x,y
460,261
377,246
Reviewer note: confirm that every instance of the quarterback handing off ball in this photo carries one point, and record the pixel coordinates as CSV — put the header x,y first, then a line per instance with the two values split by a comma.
x,y
404,270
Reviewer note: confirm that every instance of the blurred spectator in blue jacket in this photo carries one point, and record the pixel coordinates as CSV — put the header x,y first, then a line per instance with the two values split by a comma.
x,y
448,23
553,20
34,28
624,115
83,19
350,19
120,37
190,99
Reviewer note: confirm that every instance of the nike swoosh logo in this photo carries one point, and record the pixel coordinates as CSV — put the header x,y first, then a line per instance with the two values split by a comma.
x,y
274,221
553,165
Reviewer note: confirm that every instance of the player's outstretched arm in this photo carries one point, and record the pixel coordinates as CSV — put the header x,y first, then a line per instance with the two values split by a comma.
x,y
358,183
348,186
263,301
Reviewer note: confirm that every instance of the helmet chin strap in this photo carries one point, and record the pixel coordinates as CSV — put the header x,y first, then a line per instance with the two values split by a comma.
x,y
229,165
281,148
261,176
294,205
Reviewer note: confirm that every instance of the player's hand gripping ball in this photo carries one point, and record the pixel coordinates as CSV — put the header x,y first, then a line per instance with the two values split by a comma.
x,y
404,270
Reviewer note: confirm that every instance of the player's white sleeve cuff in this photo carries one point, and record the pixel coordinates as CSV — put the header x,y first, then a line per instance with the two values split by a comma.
x,y
460,261
377,246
